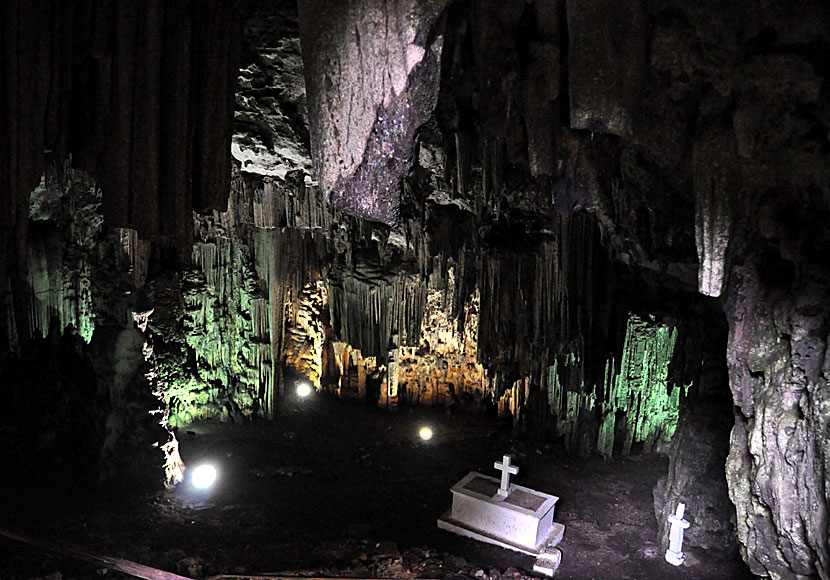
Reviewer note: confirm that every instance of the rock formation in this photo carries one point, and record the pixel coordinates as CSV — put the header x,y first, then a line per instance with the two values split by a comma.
x,y
373,70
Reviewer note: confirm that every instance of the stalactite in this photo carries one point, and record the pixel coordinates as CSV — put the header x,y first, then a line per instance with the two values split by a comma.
x,y
228,328
634,400
713,187
546,283
63,245
137,252
462,164
541,89
261,317
372,74
84,76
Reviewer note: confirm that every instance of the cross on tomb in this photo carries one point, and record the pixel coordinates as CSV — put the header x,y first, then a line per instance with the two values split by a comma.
x,y
506,469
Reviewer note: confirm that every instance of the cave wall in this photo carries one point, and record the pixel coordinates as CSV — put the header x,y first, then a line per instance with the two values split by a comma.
x,y
417,313
84,393
114,119
778,366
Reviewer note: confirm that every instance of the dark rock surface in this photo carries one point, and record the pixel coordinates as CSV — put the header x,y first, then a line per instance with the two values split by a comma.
x,y
141,96
695,478
372,73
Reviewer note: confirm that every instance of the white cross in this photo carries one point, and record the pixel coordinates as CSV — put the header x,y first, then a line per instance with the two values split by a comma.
x,y
506,469
674,555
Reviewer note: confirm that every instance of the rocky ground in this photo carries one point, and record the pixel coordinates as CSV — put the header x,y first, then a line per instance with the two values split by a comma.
x,y
339,489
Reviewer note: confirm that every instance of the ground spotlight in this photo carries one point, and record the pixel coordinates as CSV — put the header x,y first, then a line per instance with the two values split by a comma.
x,y
303,389
203,476
425,433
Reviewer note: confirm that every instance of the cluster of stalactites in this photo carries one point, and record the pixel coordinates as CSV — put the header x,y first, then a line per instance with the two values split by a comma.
x,y
633,404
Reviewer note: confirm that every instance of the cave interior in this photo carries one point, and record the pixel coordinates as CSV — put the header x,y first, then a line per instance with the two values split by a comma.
x,y
590,234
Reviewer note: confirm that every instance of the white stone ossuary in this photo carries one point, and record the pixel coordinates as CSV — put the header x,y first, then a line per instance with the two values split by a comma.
x,y
520,519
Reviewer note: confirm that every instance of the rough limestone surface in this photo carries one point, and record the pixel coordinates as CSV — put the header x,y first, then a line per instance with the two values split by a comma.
x,y
372,75
270,119
305,333
779,452
696,478
714,184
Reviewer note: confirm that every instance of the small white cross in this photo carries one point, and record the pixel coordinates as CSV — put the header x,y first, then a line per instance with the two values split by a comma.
x,y
506,469
674,555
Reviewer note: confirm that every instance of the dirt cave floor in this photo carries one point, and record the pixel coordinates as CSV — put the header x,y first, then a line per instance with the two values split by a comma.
x,y
334,488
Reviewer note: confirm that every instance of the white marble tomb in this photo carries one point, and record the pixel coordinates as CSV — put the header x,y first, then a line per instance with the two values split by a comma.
x,y
501,513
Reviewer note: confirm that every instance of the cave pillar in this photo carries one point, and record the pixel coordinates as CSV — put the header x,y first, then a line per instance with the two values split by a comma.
x,y
361,378
777,467
137,442
696,477
372,72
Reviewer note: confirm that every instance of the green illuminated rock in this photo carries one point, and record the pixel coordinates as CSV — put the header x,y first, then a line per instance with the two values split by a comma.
x,y
635,404
61,252
641,389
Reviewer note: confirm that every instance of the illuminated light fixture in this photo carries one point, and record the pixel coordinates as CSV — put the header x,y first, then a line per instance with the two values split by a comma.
x,y
425,433
203,476
303,389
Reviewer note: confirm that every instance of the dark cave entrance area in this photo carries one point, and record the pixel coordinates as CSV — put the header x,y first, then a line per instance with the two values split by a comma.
x,y
340,488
